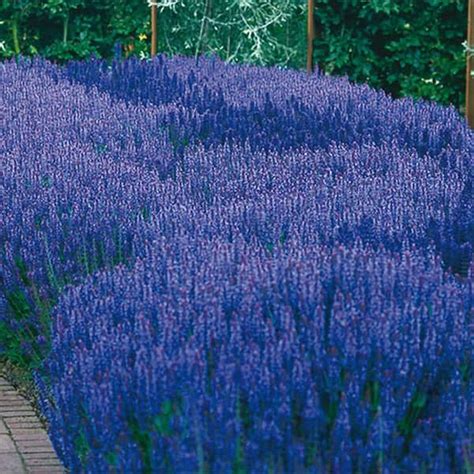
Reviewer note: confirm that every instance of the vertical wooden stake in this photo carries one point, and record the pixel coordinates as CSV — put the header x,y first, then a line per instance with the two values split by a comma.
x,y
470,65
154,32
311,35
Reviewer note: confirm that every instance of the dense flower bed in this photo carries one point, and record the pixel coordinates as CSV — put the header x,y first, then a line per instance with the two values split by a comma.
x,y
246,269
212,355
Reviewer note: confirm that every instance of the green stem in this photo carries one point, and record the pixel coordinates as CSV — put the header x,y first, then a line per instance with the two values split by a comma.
x,y
65,28
199,446
203,31
16,41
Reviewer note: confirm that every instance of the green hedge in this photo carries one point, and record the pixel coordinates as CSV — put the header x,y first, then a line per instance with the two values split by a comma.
x,y
408,47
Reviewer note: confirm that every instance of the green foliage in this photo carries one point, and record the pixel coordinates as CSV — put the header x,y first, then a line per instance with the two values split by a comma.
x,y
413,414
144,442
143,433
242,418
82,447
24,341
163,419
372,389
25,333
407,47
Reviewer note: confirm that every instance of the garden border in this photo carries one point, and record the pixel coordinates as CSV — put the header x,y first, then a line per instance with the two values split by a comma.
x,y
24,444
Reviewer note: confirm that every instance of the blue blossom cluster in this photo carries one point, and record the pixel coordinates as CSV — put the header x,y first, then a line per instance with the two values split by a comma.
x,y
208,355
231,268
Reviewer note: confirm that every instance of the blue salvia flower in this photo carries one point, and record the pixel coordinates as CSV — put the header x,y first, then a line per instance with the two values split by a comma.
x,y
253,270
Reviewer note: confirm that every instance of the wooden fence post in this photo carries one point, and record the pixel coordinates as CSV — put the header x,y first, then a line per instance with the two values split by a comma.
x,y
311,35
154,32
470,65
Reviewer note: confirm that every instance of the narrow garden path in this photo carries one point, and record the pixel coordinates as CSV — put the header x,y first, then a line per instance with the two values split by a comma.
x,y
24,444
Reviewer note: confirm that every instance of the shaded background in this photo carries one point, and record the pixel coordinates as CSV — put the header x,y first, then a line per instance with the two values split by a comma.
x,y
407,47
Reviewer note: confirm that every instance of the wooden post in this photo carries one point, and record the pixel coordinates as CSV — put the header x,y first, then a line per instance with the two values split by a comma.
x,y
154,32
311,35
470,65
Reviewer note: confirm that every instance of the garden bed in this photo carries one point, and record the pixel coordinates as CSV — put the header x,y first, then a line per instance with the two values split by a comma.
x,y
223,268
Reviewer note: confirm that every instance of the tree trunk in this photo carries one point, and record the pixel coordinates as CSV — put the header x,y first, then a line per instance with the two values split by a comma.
x,y
154,30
